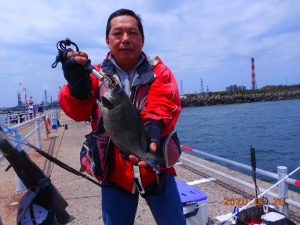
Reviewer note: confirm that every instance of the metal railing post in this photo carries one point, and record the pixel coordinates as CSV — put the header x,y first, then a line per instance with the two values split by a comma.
x,y
45,126
282,190
20,187
38,135
8,121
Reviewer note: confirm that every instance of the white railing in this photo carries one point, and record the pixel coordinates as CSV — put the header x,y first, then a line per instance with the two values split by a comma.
x,y
10,119
14,133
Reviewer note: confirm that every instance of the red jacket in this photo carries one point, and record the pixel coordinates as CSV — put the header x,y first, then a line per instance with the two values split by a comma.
x,y
162,102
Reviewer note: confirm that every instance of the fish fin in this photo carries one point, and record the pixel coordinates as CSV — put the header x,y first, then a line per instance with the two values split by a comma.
x,y
106,103
153,163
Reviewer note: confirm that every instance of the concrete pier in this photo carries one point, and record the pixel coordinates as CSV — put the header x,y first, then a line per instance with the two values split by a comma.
x,y
84,197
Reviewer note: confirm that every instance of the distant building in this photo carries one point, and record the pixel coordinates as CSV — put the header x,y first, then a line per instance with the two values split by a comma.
x,y
234,88
46,103
242,88
19,99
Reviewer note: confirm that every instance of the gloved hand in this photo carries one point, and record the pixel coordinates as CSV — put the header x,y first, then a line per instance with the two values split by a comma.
x,y
78,78
153,131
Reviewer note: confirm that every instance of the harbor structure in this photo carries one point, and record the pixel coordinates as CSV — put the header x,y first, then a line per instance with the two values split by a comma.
x,y
24,94
19,98
181,87
201,86
46,98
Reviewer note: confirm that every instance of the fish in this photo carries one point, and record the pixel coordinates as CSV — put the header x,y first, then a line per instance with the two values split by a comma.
x,y
124,125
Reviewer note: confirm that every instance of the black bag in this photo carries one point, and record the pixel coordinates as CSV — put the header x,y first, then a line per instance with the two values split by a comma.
x,y
42,205
94,155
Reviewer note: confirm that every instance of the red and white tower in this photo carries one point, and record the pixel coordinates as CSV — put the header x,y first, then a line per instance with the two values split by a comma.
x,y
253,75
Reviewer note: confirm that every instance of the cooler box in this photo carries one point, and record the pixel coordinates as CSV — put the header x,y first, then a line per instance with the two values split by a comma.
x,y
54,123
194,204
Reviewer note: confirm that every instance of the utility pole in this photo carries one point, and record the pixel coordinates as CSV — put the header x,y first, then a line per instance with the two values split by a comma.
x,y
181,87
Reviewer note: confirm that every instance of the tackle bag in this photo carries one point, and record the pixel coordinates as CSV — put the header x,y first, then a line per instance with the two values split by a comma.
x,y
94,155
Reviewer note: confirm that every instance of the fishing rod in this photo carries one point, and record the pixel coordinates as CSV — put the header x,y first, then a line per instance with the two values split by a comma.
x,y
59,163
63,165
270,188
253,165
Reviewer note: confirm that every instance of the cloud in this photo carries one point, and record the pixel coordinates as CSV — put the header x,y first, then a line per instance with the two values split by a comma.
x,y
213,40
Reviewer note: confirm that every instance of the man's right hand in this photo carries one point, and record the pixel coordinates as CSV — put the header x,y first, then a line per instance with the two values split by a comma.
x,y
80,57
77,76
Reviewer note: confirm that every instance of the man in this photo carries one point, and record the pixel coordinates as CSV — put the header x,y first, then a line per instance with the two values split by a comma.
x,y
30,110
41,109
153,90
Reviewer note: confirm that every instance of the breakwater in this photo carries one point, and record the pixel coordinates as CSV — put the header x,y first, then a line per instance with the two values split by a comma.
x,y
236,98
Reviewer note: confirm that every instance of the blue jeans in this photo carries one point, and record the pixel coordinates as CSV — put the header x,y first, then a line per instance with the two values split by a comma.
x,y
119,206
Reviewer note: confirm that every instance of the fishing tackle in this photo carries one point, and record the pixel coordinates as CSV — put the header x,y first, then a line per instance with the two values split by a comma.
x,y
42,198
262,194
62,50
253,165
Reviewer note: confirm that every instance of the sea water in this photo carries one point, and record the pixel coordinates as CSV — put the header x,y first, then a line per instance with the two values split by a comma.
x,y
272,128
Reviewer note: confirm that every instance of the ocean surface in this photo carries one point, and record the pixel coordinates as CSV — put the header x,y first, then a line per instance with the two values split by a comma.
x,y
272,128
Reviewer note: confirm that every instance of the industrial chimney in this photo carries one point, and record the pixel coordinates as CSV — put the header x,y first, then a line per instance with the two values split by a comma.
x,y
253,75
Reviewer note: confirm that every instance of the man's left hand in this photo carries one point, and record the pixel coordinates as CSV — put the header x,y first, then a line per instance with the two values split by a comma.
x,y
135,160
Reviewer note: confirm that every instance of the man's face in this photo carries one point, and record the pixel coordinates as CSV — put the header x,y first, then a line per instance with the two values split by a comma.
x,y
125,40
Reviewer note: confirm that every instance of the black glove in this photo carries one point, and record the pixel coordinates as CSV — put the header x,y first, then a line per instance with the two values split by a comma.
x,y
78,78
153,131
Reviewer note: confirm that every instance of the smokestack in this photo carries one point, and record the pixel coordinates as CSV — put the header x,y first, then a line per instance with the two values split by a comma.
x,y
253,75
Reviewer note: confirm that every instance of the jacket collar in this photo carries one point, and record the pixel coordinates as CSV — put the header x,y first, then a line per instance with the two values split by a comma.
x,y
144,72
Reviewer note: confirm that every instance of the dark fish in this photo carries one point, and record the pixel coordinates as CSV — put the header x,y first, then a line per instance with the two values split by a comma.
x,y
124,125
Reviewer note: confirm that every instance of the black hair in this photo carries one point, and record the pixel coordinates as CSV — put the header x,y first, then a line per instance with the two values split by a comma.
x,y
123,12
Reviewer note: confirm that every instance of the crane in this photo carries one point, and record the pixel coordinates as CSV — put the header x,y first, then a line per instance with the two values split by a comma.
x,y
25,93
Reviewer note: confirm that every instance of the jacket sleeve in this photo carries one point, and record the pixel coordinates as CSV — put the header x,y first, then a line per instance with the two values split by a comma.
x,y
163,101
78,109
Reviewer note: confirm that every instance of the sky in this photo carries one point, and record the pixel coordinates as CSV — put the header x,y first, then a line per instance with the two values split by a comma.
x,y
212,40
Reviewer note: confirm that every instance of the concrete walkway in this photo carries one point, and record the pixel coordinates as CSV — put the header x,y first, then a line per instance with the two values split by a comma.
x,y
84,197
